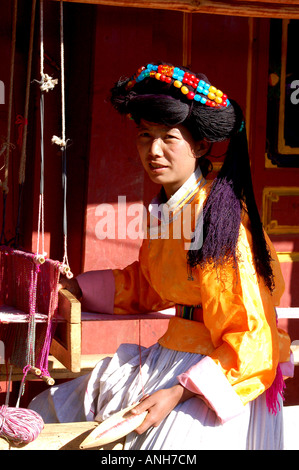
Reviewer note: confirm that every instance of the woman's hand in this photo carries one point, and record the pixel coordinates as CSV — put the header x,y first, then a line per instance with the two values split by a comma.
x,y
71,285
159,405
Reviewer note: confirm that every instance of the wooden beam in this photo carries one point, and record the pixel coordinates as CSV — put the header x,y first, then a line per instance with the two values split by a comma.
x,y
248,8
68,350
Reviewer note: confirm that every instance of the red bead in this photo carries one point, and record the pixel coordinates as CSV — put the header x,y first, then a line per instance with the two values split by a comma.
x,y
141,69
162,78
190,95
168,79
224,103
224,97
160,68
187,75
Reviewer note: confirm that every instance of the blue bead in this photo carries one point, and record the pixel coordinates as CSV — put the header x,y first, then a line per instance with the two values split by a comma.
x,y
205,91
175,76
199,89
207,85
196,98
149,66
203,100
202,83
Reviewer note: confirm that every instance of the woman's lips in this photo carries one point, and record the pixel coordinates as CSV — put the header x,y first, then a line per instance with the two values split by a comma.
x,y
156,167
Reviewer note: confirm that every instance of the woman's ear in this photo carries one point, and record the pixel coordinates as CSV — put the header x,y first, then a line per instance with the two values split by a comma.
x,y
202,148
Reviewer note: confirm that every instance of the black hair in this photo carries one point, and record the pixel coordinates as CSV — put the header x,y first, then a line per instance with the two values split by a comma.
x,y
231,191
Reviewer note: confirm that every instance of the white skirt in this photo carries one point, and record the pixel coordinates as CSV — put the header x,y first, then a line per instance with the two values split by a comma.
x,y
120,381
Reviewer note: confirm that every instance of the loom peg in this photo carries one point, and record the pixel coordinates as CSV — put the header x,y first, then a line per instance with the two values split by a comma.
x,y
40,259
66,270
35,371
49,380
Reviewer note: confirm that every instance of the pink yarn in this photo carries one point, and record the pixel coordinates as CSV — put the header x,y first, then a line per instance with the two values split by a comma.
x,y
20,425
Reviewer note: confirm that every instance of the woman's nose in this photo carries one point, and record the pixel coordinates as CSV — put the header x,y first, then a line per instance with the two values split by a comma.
x,y
156,147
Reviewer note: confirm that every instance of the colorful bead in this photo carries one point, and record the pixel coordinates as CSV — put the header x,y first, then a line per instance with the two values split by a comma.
x,y
191,95
185,90
204,93
177,84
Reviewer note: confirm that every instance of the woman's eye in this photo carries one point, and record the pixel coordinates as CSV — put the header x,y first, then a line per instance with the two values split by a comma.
x,y
143,134
170,137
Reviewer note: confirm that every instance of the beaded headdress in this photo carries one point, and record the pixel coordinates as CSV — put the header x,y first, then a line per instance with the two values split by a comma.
x,y
191,86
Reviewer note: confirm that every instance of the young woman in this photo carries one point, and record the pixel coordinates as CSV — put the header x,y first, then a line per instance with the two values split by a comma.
x,y
215,379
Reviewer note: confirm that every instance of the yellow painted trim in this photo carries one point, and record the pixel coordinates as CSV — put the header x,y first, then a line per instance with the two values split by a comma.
x,y
288,257
268,163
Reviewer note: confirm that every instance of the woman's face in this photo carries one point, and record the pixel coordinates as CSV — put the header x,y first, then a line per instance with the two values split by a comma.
x,y
168,154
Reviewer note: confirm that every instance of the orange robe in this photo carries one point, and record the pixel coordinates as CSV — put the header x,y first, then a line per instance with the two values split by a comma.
x,y
238,330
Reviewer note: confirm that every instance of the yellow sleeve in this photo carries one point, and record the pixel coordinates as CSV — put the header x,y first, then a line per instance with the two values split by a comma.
x,y
133,290
240,315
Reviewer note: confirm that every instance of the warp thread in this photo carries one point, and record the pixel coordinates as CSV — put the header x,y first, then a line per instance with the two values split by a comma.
x,y
20,425
21,123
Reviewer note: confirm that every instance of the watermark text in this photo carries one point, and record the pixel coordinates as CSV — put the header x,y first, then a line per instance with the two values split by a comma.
x,y
123,221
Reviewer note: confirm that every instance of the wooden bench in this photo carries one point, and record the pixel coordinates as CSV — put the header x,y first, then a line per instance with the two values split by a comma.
x,y
66,436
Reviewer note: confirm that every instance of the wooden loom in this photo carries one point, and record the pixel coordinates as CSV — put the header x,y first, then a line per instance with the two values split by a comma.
x,y
31,308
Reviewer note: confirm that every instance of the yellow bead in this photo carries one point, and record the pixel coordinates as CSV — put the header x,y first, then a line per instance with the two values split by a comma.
x,y
185,90
218,99
219,93
211,96
212,89
177,84
158,76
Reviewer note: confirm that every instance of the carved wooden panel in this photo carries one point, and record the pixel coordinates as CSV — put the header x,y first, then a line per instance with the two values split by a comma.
x,y
281,210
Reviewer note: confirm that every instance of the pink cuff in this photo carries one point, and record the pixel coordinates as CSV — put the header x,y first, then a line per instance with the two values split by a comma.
x,y
288,368
208,380
98,288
